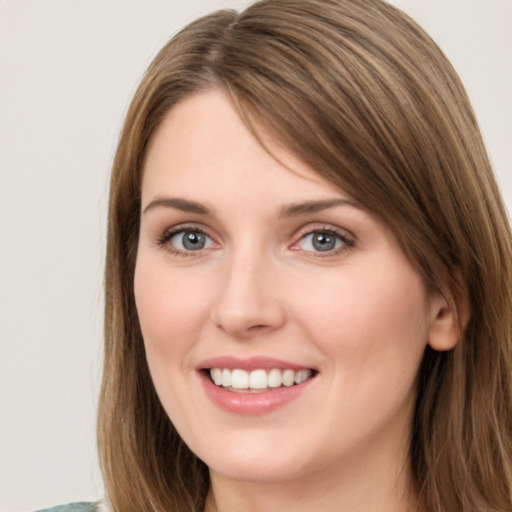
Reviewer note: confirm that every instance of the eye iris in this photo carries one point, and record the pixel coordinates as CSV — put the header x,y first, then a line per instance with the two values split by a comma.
x,y
323,241
193,241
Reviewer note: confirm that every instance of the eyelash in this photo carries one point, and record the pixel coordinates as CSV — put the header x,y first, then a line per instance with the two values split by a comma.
x,y
163,241
346,240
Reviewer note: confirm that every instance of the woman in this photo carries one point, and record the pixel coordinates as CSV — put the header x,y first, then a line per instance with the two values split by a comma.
x,y
308,279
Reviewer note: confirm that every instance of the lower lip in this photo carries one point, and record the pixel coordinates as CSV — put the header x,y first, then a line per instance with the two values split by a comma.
x,y
252,403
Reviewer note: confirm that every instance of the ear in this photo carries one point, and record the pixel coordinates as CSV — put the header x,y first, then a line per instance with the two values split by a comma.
x,y
449,317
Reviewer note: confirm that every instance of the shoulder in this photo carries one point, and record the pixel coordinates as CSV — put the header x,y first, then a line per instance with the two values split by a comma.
x,y
75,507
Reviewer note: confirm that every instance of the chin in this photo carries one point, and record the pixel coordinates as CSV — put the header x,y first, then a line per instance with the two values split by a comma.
x,y
260,472
257,460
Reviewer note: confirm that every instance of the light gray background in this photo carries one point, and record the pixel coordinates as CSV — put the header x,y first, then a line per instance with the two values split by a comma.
x,y
67,71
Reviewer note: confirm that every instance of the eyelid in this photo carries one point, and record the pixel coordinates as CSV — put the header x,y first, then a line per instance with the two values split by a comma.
x,y
348,239
166,235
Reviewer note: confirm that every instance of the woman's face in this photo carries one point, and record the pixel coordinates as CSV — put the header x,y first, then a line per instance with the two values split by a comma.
x,y
283,290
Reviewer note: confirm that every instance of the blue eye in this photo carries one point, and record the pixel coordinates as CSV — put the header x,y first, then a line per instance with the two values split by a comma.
x,y
189,240
322,241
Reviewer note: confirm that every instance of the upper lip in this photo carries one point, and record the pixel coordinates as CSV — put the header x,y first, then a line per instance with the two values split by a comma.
x,y
249,363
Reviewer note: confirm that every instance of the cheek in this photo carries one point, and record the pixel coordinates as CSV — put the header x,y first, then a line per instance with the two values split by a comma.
x,y
369,321
171,310
372,330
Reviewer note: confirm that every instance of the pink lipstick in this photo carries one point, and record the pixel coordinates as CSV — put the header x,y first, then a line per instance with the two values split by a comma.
x,y
253,386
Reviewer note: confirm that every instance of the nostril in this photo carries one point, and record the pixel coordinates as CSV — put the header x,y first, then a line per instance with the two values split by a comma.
x,y
258,327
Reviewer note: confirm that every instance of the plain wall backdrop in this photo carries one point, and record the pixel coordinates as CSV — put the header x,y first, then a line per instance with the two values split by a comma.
x,y
68,69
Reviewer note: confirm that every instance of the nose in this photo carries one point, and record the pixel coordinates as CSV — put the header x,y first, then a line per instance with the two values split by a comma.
x,y
248,303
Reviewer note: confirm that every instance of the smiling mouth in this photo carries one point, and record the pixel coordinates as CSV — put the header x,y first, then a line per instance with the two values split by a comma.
x,y
258,381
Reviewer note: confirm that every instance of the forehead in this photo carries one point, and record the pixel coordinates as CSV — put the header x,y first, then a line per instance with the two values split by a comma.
x,y
203,146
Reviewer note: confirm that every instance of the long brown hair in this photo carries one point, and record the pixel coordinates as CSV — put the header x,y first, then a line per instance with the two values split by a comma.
x,y
358,91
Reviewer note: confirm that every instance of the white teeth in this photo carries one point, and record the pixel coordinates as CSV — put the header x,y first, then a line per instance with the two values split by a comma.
x,y
216,374
239,379
302,376
226,377
288,378
274,378
258,379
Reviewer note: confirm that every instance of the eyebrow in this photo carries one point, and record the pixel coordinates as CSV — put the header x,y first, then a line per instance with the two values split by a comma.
x,y
178,203
291,210
297,209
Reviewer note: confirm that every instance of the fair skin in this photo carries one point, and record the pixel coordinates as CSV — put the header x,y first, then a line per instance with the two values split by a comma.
x,y
243,265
